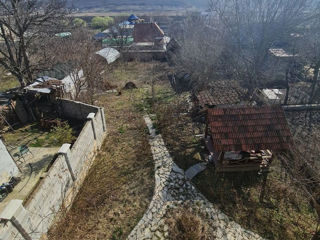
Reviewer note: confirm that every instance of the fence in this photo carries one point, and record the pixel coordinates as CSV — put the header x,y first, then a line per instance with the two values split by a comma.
x,y
33,218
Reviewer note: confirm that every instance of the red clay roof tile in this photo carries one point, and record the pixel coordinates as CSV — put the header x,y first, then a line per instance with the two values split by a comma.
x,y
249,128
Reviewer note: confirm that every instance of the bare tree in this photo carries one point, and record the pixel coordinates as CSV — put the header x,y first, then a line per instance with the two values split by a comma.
x,y
233,40
302,165
309,47
22,25
253,27
201,51
77,53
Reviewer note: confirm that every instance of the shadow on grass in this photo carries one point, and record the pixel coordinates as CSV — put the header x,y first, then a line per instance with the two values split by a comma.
x,y
237,195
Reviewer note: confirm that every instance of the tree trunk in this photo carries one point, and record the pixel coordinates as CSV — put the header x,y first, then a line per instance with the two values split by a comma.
x,y
314,81
287,87
26,61
263,189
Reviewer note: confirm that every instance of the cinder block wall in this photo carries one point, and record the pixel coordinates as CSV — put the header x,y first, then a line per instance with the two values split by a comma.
x,y
57,190
77,110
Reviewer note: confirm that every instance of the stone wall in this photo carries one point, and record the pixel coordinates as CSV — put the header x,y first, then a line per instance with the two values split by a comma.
x,y
61,183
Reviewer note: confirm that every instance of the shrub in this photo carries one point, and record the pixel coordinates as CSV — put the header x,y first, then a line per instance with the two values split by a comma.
x,y
101,22
79,22
187,226
38,143
61,134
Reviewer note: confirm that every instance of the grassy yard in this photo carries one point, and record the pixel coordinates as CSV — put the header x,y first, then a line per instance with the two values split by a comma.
x,y
120,184
33,135
7,81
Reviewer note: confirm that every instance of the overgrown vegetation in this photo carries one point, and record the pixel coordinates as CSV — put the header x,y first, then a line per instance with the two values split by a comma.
x,y
79,22
187,225
285,212
120,184
7,80
57,136
35,136
101,22
176,126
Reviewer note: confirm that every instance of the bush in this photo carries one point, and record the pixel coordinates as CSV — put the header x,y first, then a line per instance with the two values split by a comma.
x,y
79,22
61,134
185,225
101,22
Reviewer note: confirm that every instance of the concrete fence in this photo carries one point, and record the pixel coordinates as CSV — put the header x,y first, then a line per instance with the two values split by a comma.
x,y
57,190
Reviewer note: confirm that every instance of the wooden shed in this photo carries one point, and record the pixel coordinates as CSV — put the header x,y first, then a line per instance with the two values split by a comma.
x,y
245,139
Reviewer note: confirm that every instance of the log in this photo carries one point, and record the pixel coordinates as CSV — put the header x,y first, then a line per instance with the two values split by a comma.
x,y
305,107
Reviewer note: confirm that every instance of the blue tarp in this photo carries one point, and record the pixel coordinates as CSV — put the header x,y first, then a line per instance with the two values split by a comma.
x,y
133,18
125,23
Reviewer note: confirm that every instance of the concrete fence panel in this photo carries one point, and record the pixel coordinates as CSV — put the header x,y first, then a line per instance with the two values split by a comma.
x,y
57,190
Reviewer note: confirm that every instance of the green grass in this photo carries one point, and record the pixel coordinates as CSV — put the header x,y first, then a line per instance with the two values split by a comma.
x,y
7,82
33,136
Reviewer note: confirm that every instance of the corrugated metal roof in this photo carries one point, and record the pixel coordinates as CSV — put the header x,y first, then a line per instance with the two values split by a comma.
x,y
44,85
249,128
110,54
281,53
63,34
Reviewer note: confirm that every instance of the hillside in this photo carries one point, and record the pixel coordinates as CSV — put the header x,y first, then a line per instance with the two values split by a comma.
x,y
126,5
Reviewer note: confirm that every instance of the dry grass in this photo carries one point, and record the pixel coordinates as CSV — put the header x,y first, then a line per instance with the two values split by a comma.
x,y
187,225
285,214
119,186
7,81
176,126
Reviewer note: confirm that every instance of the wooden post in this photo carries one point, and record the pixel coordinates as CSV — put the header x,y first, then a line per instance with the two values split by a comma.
x,y
263,188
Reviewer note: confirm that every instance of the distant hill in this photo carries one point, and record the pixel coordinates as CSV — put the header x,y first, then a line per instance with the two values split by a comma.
x,y
123,5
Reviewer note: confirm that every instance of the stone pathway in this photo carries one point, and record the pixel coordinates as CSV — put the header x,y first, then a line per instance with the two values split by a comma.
x,y
195,170
173,190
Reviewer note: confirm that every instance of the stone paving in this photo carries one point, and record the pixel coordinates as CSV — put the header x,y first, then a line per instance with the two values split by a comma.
x,y
173,190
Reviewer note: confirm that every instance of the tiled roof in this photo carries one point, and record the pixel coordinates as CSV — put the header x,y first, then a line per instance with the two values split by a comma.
x,y
221,93
250,128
